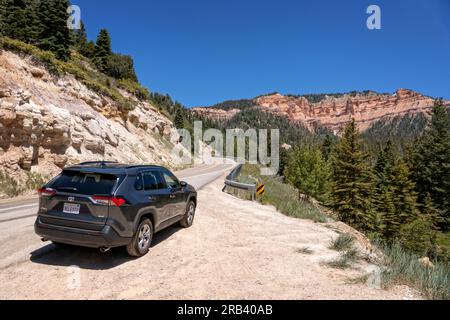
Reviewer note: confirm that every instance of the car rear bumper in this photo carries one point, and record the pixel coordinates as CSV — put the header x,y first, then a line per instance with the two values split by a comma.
x,y
107,237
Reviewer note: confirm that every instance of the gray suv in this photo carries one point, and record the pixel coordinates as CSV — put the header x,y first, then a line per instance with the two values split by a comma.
x,y
105,205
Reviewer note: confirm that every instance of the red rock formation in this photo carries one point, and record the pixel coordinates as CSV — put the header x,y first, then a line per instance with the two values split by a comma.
x,y
218,115
334,113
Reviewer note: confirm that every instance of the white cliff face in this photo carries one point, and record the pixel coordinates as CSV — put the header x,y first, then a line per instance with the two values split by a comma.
x,y
48,123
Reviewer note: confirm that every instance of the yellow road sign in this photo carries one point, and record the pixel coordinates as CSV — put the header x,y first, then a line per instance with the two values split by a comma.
x,y
260,190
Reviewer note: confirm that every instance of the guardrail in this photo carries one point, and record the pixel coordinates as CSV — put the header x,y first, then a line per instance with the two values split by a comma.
x,y
230,181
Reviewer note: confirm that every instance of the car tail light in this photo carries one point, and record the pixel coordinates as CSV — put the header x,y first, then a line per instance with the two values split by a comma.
x,y
46,192
109,201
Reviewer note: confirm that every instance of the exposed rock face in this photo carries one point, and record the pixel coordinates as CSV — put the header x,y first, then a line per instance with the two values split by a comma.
x,y
48,123
335,113
216,114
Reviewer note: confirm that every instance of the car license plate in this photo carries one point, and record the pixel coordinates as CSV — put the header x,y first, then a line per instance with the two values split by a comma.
x,y
71,208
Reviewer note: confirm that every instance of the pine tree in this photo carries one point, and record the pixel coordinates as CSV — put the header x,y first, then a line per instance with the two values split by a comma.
x,y
327,147
102,50
19,20
80,38
179,119
2,17
15,20
352,181
284,160
404,199
89,50
431,164
430,212
382,199
55,35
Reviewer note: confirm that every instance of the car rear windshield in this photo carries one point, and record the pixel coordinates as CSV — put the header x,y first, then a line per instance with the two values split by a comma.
x,y
85,183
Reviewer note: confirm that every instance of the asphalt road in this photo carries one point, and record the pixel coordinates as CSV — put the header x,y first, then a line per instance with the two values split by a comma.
x,y
19,214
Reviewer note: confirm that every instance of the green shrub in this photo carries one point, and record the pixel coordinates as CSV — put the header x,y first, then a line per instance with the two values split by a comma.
x,y
342,242
403,267
346,259
120,66
283,196
418,236
47,58
94,80
34,181
9,186
134,88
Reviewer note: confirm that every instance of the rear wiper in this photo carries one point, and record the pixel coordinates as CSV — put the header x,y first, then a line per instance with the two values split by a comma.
x,y
67,189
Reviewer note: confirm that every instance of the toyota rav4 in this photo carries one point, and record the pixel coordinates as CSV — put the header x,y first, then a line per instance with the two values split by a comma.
x,y
105,205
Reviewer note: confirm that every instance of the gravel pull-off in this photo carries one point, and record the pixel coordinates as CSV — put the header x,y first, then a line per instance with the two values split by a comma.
x,y
235,250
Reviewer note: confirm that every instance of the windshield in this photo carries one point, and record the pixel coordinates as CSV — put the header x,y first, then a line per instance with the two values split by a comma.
x,y
85,183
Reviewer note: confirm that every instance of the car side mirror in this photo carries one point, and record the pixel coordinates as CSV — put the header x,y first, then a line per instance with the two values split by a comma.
x,y
183,184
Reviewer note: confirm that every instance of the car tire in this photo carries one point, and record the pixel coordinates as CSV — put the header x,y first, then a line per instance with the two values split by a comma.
x,y
142,239
188,219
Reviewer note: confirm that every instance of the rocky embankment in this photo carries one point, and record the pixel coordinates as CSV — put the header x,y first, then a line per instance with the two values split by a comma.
x,y
335,112
48,122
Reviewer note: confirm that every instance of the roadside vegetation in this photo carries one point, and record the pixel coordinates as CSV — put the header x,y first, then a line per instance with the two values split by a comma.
x,y
282,196
345,244
398,196
342,242
11,188
400,266
39,29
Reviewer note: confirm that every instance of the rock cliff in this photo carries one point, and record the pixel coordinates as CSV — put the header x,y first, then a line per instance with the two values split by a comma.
x,y
334,112
48,122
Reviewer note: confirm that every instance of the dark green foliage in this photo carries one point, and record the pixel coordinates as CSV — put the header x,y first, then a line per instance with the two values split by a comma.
x,y
54,35
19,20
89,50
120,66
284,160
80,40
102,50
404,200
163,102
179,119
2,14
352,182
328,145
400,130
234,104
382,200
342,242
431,164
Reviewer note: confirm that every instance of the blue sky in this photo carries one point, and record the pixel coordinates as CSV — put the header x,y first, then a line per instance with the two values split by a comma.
x,y
205,51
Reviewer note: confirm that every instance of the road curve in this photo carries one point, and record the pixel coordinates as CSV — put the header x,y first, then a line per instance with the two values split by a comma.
x,y
18,209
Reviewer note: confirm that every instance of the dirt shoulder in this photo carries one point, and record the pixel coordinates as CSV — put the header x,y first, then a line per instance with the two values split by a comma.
x,y
235,250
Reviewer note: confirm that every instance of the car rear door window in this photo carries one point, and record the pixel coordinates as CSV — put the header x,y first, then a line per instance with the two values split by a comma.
x,y
153,180
139,183
85,183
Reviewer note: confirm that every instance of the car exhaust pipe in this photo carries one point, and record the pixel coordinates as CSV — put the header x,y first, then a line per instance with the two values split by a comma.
x,y
104,249
44,240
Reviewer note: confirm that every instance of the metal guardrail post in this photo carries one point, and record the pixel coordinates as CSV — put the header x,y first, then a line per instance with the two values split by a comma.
x,y
230,181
